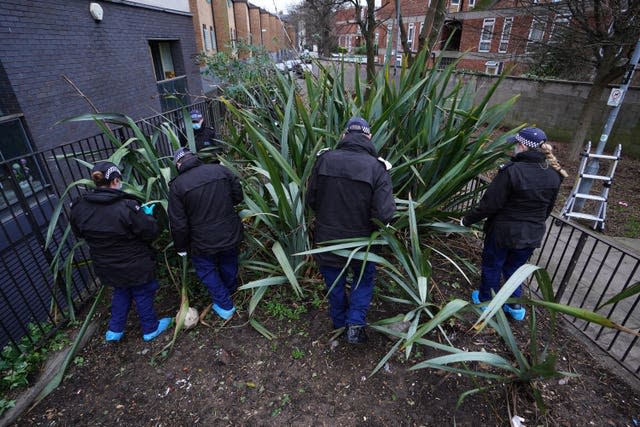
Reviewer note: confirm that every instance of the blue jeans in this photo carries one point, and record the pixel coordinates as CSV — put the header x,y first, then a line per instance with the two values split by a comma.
x,y
349,309
498,262
218,273
143,295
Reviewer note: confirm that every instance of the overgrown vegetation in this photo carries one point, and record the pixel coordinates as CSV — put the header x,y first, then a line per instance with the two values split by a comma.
x,y
438,139
19,363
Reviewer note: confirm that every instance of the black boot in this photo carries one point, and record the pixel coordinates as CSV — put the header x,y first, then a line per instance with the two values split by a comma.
x,y
356,334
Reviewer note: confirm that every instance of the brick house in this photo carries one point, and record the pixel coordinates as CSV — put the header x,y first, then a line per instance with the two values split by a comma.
x,y
494,34
220,24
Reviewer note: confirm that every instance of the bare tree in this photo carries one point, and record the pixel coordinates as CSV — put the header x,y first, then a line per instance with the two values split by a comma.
x,y
433,20
318,18
591,39
367,27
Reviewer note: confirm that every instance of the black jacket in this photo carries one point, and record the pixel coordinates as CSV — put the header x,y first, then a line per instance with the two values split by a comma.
x,y
205,138
119,235
518,201
202,216
348,188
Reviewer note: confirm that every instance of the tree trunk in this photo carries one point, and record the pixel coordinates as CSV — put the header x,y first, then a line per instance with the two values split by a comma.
x,y
432,25
368,33
404,43
589,108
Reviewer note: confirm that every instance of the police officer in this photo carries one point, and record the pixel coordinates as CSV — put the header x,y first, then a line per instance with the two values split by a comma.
x,y
348,188
119,234
205,136
204,223
516,205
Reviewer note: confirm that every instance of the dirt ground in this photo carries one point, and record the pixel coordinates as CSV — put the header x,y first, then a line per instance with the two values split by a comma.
x,y
229,374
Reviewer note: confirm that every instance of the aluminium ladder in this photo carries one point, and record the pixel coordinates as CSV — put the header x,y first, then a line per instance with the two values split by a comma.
x,y
572,209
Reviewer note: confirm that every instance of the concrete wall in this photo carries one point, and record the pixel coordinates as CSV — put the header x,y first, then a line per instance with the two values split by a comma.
x,y
555,107
109,61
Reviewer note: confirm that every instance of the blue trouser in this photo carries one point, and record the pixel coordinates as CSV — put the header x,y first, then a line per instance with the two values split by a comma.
x,y
143,295
218,272
498,262
349,309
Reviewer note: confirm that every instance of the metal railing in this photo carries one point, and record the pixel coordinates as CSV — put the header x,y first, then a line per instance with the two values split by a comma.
x,y
587,269
32,305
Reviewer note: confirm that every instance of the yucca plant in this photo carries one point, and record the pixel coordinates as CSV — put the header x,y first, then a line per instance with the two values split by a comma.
x,y
524,368
428,126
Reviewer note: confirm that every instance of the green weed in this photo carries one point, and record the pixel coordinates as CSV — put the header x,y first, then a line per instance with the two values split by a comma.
x,y
17,363
6,405
297,353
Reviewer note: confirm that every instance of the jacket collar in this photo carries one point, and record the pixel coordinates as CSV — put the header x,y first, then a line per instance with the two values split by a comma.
x,y
357,142
106,195
529,157
190,163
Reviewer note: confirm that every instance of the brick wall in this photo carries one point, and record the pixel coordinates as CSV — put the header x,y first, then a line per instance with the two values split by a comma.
x,y
241,12
8,102
254,23
109,61
221,20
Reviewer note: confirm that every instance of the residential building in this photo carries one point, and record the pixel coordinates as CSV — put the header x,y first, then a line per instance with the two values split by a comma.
x,y
494,35
488,35
62,58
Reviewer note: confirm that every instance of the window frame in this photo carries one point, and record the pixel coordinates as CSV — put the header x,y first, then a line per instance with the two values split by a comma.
x,y
530,41
205,36
504,38
486,36
411,33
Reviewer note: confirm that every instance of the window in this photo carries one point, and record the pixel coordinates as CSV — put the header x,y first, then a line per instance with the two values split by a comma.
x,y
376,40
25,175
560,26
410,34
485,35
212,35
506,32
492,67
535,35
472,3
169,71
162,59
207,40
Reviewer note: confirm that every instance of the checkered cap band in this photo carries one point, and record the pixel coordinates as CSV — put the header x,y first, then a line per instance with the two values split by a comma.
x,y
531,137
111,171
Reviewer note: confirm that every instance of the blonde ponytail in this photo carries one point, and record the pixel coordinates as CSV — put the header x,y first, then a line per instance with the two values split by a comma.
x,y
547,149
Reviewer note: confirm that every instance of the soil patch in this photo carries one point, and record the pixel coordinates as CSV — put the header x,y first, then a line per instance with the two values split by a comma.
x,y
228,374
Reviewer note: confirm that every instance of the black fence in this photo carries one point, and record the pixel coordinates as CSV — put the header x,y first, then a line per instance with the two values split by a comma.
x,y
32,304
587,269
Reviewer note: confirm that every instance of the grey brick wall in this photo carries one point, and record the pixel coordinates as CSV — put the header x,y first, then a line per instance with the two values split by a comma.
x,y
109,61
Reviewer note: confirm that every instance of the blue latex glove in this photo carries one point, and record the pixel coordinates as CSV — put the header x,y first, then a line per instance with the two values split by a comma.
x,y
148,209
